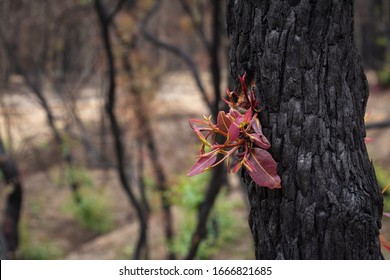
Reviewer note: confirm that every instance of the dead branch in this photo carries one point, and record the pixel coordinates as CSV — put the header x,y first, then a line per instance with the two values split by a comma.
x,y
175,50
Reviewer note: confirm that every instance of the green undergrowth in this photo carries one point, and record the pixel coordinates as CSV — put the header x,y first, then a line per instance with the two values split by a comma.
x,y
32,249
75,174
221,228
384,72
92,212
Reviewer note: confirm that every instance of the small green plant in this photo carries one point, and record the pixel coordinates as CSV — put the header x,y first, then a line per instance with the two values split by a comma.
x,y
80,176
31,249
384,76
382,175
74,174
384,72
41,251
92,211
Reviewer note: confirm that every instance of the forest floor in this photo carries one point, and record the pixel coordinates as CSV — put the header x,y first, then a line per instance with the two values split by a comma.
x,y
49,228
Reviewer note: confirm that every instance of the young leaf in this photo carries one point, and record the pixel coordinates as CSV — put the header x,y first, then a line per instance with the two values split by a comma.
x,y
257,127
200,135
234,129
203,163
264,173
242,82
247,116
223,121
260,141
234,113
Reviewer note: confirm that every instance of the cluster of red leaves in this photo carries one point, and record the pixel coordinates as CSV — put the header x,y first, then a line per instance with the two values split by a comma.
x,y
243,141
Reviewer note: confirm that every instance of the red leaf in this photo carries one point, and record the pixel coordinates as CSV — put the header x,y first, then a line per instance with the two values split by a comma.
x,y
200,135
234,113
257,127
243,83
234,129
248,116
203,163
260,140
264,173
237,167
223,122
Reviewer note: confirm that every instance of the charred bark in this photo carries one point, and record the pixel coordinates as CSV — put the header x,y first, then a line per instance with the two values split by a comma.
x,y
10,223
309,80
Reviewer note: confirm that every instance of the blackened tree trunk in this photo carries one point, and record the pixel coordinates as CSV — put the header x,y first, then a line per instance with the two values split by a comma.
x,y
9,228
309,80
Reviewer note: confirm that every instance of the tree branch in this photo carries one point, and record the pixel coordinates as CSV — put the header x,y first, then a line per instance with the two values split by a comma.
x,y
175,50
378,125
35,87
198,25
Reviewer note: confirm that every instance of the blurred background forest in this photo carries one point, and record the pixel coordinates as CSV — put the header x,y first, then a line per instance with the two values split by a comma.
x,y
95,97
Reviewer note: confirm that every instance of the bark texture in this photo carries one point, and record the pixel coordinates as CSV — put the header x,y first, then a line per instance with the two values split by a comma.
x,y
309,80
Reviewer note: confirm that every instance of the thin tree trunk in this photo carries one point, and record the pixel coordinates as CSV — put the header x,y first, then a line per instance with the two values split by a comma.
x,y
313,90
214,54
218,175
162,182
36,88
10,223
105,21
217,179
146,135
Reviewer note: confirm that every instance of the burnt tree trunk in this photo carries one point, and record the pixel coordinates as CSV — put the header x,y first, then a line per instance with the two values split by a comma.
x,y
9,228
309,80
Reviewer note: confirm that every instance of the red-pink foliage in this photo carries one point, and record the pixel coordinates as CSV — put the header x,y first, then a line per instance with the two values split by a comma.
x,y
244,143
